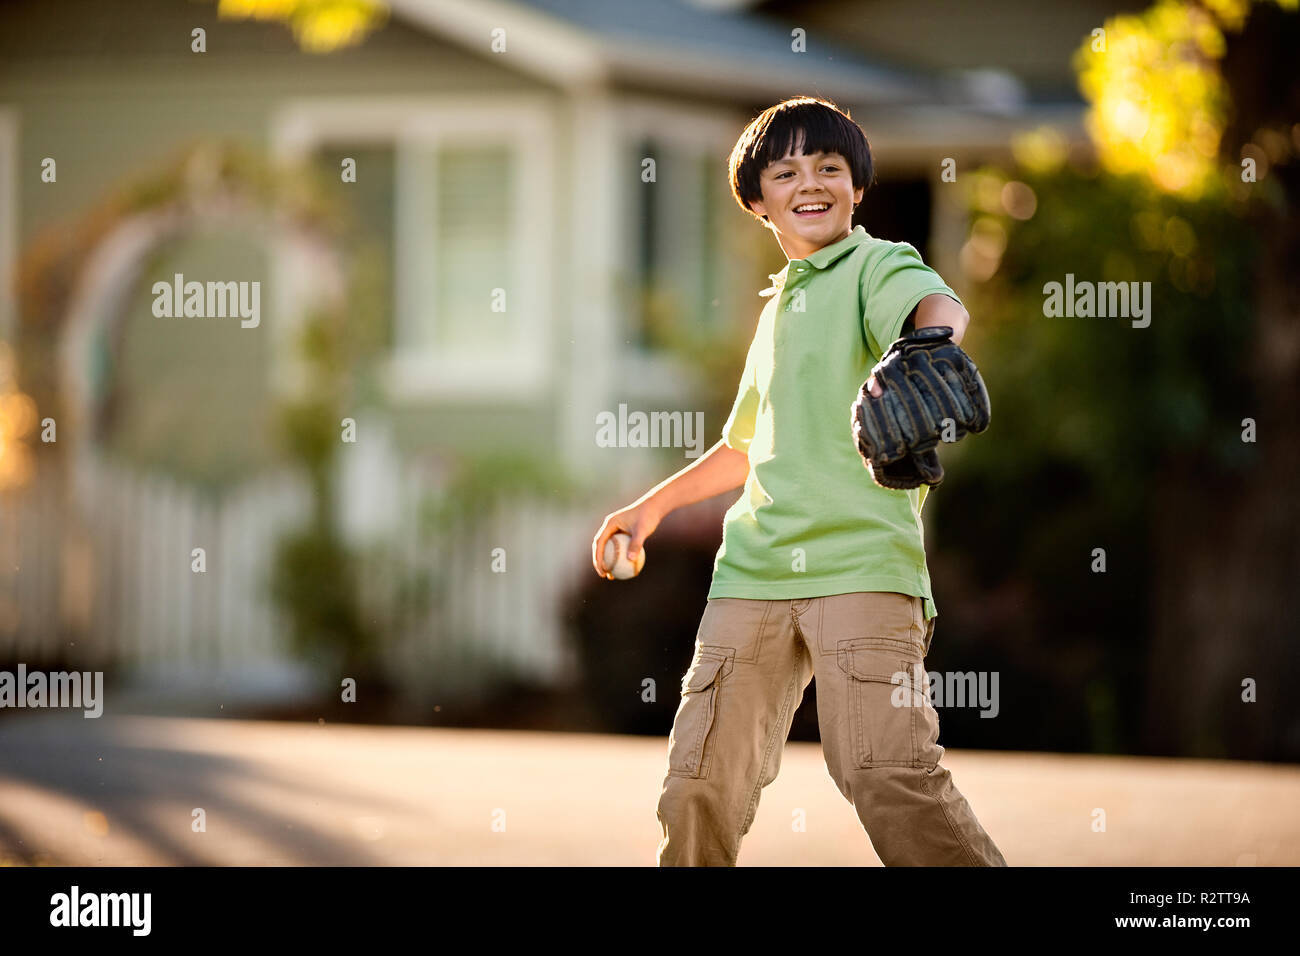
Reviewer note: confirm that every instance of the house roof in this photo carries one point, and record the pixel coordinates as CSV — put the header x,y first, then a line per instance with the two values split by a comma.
x,y
673,44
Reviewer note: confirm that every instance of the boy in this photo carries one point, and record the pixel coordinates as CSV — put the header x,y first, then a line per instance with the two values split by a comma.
x,y
821,572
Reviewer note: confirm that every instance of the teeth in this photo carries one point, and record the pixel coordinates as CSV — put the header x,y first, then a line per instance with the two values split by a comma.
x,y
812,207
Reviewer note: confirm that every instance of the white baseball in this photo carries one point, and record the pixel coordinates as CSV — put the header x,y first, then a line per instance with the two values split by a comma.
x,y
616,561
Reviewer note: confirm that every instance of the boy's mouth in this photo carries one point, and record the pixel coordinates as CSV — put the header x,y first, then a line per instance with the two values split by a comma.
x,y
812,210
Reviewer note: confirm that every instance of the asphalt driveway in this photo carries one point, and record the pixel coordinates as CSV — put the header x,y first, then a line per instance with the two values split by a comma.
x,y
125,790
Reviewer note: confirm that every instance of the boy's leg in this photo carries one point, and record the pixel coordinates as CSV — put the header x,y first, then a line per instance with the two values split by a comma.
x,y
738,701
881,738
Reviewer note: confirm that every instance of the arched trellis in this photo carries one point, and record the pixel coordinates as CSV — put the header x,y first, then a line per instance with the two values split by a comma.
x,y
141,604
76,284
307,274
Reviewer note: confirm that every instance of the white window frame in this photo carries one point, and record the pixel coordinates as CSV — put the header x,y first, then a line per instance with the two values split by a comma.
x,y
685,128
8,222
413,125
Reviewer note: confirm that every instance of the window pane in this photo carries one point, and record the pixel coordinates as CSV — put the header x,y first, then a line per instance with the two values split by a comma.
x,y
681,246
678,275
472,247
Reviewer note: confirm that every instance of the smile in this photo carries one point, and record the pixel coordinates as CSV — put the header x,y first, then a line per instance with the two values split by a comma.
x,y
811,210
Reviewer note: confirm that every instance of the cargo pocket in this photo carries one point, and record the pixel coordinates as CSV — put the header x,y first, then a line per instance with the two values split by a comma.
x,y
689,743
891,720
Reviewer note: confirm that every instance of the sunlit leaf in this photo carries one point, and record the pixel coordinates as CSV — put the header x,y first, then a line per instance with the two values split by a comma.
x,y
319,26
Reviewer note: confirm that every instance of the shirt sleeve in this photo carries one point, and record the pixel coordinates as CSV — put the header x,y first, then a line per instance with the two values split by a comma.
x,y
892,289
738,432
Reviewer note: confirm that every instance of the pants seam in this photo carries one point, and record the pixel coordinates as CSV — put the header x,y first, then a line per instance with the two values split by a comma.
x,y
767,753
762,628
956,830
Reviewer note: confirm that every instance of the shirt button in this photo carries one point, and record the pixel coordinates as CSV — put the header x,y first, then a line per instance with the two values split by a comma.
x,y
800,269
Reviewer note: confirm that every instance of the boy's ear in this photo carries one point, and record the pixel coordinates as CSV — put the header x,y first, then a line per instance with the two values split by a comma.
x,y
757,206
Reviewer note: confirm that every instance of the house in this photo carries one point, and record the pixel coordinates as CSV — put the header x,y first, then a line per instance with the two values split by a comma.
x,y
500,152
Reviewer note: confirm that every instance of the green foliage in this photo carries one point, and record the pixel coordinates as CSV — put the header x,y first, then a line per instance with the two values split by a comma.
x,y
482,480
315,572
1113,401
1129,439
1092,418
309,432
314,578
319,26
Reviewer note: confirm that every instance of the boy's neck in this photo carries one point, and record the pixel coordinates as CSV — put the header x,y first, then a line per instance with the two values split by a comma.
x,y
796,248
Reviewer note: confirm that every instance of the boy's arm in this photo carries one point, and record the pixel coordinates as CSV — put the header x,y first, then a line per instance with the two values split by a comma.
x,y
939,309
936,309
720,469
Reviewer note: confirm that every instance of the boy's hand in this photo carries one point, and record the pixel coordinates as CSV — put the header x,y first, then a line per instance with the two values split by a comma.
x,y
638,520
933,387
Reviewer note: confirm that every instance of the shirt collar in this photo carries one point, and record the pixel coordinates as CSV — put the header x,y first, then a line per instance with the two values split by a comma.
x,y
820,259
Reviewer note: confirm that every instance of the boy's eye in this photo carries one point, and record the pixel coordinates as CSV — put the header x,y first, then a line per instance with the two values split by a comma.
x,y
788,173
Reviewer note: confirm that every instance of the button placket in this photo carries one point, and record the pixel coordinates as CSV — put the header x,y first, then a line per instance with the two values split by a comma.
x,y
801,268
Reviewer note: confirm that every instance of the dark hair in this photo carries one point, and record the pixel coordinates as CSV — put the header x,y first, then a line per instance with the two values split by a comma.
x,y
774,132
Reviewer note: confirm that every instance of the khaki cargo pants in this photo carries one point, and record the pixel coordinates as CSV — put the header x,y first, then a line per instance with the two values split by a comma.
x,y
753,660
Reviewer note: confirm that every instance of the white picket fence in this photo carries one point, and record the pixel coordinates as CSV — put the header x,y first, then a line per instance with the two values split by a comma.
x,y
110,581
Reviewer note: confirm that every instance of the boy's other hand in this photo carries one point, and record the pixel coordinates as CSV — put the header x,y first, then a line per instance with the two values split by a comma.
x,y
874,387
638,520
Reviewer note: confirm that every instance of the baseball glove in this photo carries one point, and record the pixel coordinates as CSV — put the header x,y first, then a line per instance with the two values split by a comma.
x,y
930,389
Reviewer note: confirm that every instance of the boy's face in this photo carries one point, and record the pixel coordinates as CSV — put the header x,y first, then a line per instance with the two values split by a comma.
x,y
797,181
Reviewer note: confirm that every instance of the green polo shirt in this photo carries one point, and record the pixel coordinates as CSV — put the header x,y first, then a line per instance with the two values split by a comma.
x,y
810,521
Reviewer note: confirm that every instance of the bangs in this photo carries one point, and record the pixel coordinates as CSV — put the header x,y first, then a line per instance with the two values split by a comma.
x,y
808,127
804,124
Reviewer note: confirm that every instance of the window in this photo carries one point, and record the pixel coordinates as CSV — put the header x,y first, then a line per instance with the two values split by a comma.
x,y
692,262
677,275
471,224
459,230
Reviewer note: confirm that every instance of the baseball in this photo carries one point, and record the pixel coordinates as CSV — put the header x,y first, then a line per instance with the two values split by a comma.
x,y
616,561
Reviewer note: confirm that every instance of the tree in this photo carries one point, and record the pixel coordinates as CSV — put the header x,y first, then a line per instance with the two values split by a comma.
x,y
1132,438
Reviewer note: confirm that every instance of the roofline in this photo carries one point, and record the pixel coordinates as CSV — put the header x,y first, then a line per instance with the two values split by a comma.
x,y
538,44
552,49
730,74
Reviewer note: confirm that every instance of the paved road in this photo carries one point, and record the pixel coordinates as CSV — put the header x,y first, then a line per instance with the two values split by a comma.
x,y
122,790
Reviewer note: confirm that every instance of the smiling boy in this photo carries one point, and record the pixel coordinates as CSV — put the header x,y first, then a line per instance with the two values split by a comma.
x,y
822,572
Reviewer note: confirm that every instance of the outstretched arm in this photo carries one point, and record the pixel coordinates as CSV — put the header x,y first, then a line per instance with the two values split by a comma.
x,y
939,309
720,469
935,309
